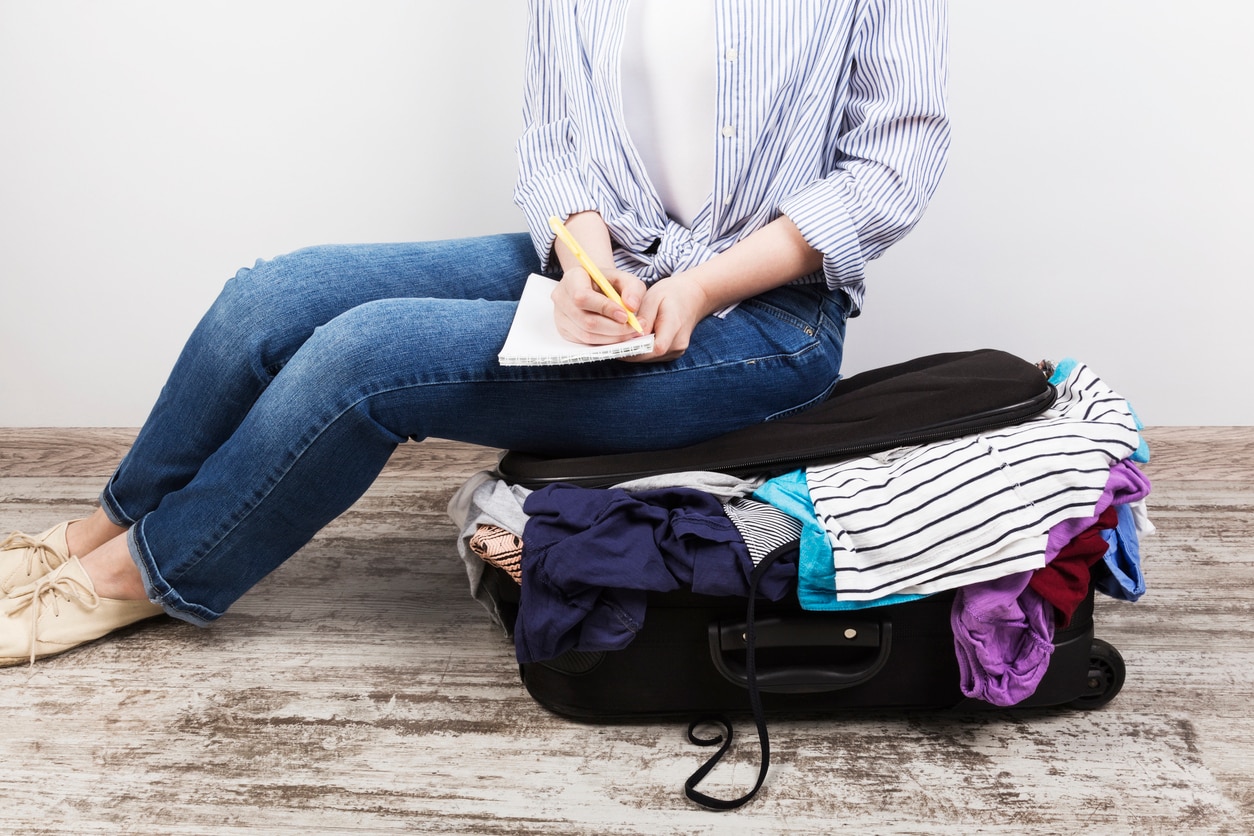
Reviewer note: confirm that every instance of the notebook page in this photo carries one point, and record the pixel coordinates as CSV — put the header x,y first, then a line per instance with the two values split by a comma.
x,y
533,338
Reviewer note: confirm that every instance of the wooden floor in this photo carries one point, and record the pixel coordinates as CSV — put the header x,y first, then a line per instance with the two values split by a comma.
x,y
360,690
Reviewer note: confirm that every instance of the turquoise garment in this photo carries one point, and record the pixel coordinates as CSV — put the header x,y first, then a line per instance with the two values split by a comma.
x,y
816,577
1142,454
1062,371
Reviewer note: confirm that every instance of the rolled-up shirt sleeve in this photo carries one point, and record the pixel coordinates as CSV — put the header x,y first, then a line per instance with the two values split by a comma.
x,y
549,175
890,151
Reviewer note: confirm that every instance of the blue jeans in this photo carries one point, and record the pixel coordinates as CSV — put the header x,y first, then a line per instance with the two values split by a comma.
x,y
309,369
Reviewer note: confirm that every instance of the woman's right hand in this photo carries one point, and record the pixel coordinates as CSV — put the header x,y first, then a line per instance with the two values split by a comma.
x,y
586,315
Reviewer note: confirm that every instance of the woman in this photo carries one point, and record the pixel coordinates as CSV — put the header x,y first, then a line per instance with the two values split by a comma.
x,y
731,166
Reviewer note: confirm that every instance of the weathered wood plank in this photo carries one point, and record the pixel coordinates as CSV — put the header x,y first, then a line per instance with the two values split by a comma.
x,y
1207,454
80,452
55,451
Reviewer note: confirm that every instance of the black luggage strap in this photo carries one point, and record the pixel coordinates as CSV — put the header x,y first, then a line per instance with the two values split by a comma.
x,y
755,704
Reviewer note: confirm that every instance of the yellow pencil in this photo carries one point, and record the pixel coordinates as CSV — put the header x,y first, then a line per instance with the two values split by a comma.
x,y
597,276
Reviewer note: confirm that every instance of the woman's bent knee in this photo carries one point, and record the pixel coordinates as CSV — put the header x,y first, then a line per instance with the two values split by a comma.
x,y
267,311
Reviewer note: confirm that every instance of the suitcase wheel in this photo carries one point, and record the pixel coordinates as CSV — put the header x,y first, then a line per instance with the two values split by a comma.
x,y
1106,675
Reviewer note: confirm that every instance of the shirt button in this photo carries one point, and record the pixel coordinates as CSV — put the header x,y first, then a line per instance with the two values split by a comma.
x,y
729,131
727,200
731,54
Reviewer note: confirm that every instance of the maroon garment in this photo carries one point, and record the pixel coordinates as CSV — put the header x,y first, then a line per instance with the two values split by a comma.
x,y
1064,582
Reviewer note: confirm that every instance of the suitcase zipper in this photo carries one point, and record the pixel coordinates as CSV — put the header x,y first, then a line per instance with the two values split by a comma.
x,y
743,467
954,430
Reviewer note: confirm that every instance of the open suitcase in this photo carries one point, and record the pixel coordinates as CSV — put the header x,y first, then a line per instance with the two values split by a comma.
x,y
699,655
690,658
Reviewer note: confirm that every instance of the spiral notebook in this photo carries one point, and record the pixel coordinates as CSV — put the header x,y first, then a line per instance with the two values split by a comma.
x,y
533,339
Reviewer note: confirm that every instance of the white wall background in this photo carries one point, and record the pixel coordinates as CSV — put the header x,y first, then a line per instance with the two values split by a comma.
x,y
1097,204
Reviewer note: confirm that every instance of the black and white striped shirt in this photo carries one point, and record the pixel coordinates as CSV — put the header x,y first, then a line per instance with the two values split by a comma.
x,y
919,520
831,112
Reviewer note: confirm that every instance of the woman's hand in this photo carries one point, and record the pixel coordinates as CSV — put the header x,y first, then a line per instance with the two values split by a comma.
x,y
671,310
586,315
768,258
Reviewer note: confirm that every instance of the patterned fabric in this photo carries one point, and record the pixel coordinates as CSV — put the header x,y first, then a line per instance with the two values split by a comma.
x,y
764,527
500,548
937,516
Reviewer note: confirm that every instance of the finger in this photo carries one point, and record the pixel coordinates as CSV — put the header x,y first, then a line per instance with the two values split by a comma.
x,y
592,329
630,288
647,310
607,308
589,327
584,312
670,340
589,299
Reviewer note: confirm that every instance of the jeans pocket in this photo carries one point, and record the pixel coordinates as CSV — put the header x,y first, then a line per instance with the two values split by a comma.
x,y
797,316
810,327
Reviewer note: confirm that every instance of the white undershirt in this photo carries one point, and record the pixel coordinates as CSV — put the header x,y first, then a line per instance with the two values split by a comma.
x,y
669,90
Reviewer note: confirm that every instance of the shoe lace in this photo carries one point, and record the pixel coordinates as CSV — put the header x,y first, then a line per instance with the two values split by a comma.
x,y
45,594
36,550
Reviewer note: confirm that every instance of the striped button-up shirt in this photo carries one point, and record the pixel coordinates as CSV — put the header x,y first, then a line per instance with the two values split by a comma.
x,y
831,112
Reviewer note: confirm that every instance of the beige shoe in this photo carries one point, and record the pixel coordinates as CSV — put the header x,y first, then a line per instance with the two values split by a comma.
x,y
24,558
60,611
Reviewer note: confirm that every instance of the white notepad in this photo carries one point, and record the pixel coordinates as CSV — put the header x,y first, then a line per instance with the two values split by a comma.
x,y
534,341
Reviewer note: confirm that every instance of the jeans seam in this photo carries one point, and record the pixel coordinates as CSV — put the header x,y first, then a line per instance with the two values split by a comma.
x,y
819,398
171,601
112,508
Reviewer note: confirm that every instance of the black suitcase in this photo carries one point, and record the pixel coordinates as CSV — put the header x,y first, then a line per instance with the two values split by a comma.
x,y
690,657
697,655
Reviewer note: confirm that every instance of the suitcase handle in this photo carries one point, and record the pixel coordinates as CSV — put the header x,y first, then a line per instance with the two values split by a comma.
x,y
847,652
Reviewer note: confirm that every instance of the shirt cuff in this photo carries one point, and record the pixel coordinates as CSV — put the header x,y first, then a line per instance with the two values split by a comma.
x,y
821,213
549,184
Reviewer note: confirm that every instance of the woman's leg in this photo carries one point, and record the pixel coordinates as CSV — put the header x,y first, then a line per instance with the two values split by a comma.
x,y
389,370
259,322
315,437
261,318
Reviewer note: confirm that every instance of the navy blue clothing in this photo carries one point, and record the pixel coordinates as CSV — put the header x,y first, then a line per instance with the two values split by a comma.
x,y
590,556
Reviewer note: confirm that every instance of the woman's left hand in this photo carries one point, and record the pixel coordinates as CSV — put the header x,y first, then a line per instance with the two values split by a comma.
x,y
671,309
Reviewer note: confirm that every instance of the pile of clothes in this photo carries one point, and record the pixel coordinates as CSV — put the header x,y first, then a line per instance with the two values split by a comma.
x,y
1020,521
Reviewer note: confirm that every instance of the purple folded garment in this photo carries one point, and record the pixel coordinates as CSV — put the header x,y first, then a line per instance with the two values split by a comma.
x,y
1004,638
